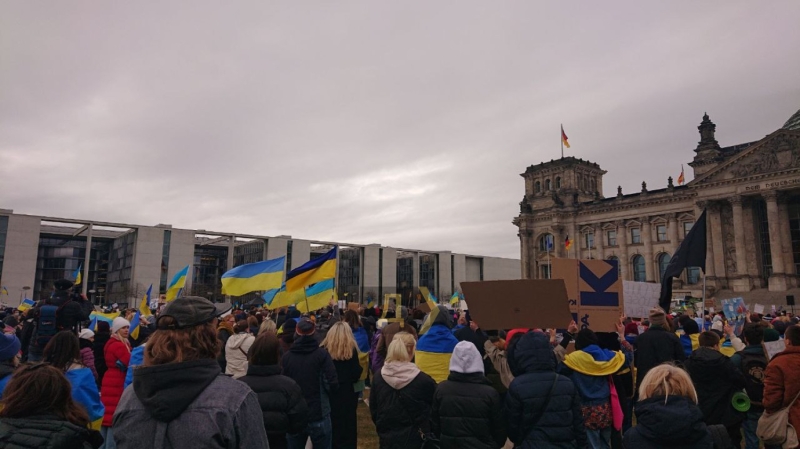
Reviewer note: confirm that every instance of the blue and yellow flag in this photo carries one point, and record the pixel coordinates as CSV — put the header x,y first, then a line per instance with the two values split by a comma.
x,y
317,296
313,271
455,299
428,296
144,310
370,302
254,277
100,316
84,392
277,298
434,349
78,274
177,283
4,291
26,304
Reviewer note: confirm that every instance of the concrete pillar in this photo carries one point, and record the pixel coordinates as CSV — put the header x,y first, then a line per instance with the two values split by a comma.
x,y
710,272
786,241
524,253
87,261
415,271
777,281
181,253
649,262
622,241
718,251
301,252
672,233
21,255
370,268
558,241
443,274
459,269
742,281
599,242
389,280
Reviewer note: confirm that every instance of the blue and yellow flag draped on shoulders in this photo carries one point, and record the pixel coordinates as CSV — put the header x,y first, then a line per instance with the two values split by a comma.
x,y
435,345
313,271
254,277
94,317
177,283
84,392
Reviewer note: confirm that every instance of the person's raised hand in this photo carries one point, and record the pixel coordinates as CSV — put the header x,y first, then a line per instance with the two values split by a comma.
x,y
728,329
620,328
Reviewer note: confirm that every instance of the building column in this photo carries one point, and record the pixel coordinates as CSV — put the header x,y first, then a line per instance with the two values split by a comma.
x,y
672,233
786,240
598,242
524,253
742,282
649,262
777,281
718,253
622,241
558,240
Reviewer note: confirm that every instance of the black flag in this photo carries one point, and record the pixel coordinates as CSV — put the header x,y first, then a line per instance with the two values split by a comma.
x,y
690,253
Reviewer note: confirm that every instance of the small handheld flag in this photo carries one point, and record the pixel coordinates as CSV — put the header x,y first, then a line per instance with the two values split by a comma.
x,y
26,304
78,275
454,300
564,139
177,283
4,291
681,179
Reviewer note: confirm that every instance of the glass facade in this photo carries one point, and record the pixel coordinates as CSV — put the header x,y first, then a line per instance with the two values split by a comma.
x,y
250,252
210,262
639,274
794,229
3,233
687,226
589,240
162,283
760,212
692,275
405,277
120,270
60,255
427,272
349,273
661,233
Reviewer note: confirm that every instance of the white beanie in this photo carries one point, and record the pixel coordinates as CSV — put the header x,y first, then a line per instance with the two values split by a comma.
x,y
466,359
382,323
86,334
118,324
717,326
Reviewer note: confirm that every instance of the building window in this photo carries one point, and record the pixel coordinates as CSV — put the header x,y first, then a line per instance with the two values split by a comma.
x,y
616,259
589,240
547,185
636,235
162,284
661,233
545,271
558,182
537,187
546,243
612,238
663,261
639,269
692,275
687,226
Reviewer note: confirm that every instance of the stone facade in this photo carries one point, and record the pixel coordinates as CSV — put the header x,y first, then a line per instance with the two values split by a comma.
x,y
751,193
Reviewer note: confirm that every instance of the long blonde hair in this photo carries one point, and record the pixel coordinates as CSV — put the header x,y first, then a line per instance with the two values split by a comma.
x,y
268,326
340,341
401,349
667,380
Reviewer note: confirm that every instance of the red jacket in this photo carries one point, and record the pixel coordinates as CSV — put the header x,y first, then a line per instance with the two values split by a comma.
x,y
114,379
781,384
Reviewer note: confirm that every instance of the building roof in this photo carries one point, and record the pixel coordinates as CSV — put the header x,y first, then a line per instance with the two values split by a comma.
x,y
564,161
793,122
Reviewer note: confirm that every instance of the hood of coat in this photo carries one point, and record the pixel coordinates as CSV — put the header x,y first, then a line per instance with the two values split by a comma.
x,y
676,422
399,374
304,344
466,359
705,364
532,353
443,317
237,340
167,390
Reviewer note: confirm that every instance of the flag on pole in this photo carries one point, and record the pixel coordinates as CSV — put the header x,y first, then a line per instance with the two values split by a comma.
x,y
26,304
313,271
100,316
253,277
370,302
681,179
177,283
317,296
690,253
4,291
567,243
78,275
549,242
144,310
455,299
564,137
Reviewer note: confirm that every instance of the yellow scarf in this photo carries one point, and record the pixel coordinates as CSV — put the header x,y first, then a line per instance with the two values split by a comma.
x,y
584,363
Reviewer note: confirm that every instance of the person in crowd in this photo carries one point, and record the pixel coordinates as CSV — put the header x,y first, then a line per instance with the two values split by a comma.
x,y
341,345
632,332
401,397
137,360
287,334
253,325
312,368
236,349
39,412
689,339
70,311
781,381
268,326
589,367
9,358
86,341
466,411
392,329
623,379
361,337
117,354
461,323
716,379
436,346
543,408
494,348
667,415
101,337
752,362
224,332
281,400
179,397
375,358
656,345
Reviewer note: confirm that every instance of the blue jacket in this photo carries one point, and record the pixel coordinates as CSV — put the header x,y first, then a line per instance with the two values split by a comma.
x,y
137,359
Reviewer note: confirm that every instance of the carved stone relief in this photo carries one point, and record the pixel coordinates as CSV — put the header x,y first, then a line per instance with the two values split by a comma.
x,y
728,238
780,153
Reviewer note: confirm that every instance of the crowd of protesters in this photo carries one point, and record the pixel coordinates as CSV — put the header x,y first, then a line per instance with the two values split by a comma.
x,y
201,374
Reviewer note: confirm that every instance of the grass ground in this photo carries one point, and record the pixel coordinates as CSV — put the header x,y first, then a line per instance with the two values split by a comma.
x,y
367,437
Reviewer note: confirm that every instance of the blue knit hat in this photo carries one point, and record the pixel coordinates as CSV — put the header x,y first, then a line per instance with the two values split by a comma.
x,y
9,346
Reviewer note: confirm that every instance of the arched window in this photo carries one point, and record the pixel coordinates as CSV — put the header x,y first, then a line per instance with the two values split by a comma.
x,y
639,274
615,258
663,261
547,185
692,275
537,188
558,182
546,243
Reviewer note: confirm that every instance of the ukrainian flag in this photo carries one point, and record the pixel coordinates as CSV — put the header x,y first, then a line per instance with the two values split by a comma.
x,y
362,341
84,392
455,299
26,304
370,302
144,310
100,316
428,296
177,283
277,298
252,277
313,271
435,348
78,275
318,296
4,291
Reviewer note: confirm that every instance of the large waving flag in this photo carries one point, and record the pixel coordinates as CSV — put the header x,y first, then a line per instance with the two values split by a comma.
x,y
313,271
277,298
317,296
564,139
26,304
100,316
84,392
144,310
78,274
253,277
177,283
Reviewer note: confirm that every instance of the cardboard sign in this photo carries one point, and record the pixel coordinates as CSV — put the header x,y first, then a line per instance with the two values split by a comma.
x,y
735,311
640,297
353,306
595,291
773,347
525,303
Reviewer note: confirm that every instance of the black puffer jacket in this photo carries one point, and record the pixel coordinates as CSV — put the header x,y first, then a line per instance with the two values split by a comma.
x,y
98,346
46,432
561,426
654,347
281,400
312,368
716,379
466,413
398,422
676,424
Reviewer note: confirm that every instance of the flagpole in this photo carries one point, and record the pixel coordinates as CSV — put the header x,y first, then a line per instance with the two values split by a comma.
x,y
549,267
561,138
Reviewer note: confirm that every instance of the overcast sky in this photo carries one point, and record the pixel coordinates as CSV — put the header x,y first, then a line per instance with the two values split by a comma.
x,y
403,123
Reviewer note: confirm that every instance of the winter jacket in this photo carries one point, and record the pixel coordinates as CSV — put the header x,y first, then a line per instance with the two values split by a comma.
x,y
282,404
137,359
46,432
388,333
87,355
344,402
400,405
716,379
224,332
236,354
561,424
70,315
498,359
118,356
98,348
781,384
466,413
654,347
188,404
375,359
312,368
674,422
435,348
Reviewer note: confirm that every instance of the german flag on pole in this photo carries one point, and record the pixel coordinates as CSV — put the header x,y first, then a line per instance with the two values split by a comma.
x,y
567,243
564,137
681,179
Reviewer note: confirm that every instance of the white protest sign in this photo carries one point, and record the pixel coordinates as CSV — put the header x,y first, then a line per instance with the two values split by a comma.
x,y
640,297
759,309
773,347
463,305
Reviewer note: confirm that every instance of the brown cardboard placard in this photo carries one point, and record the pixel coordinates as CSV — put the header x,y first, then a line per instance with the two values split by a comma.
x,y
595,291
522,303
353,306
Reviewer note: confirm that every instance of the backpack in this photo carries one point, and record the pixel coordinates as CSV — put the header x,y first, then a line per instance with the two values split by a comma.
x,y
754,367
47,324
